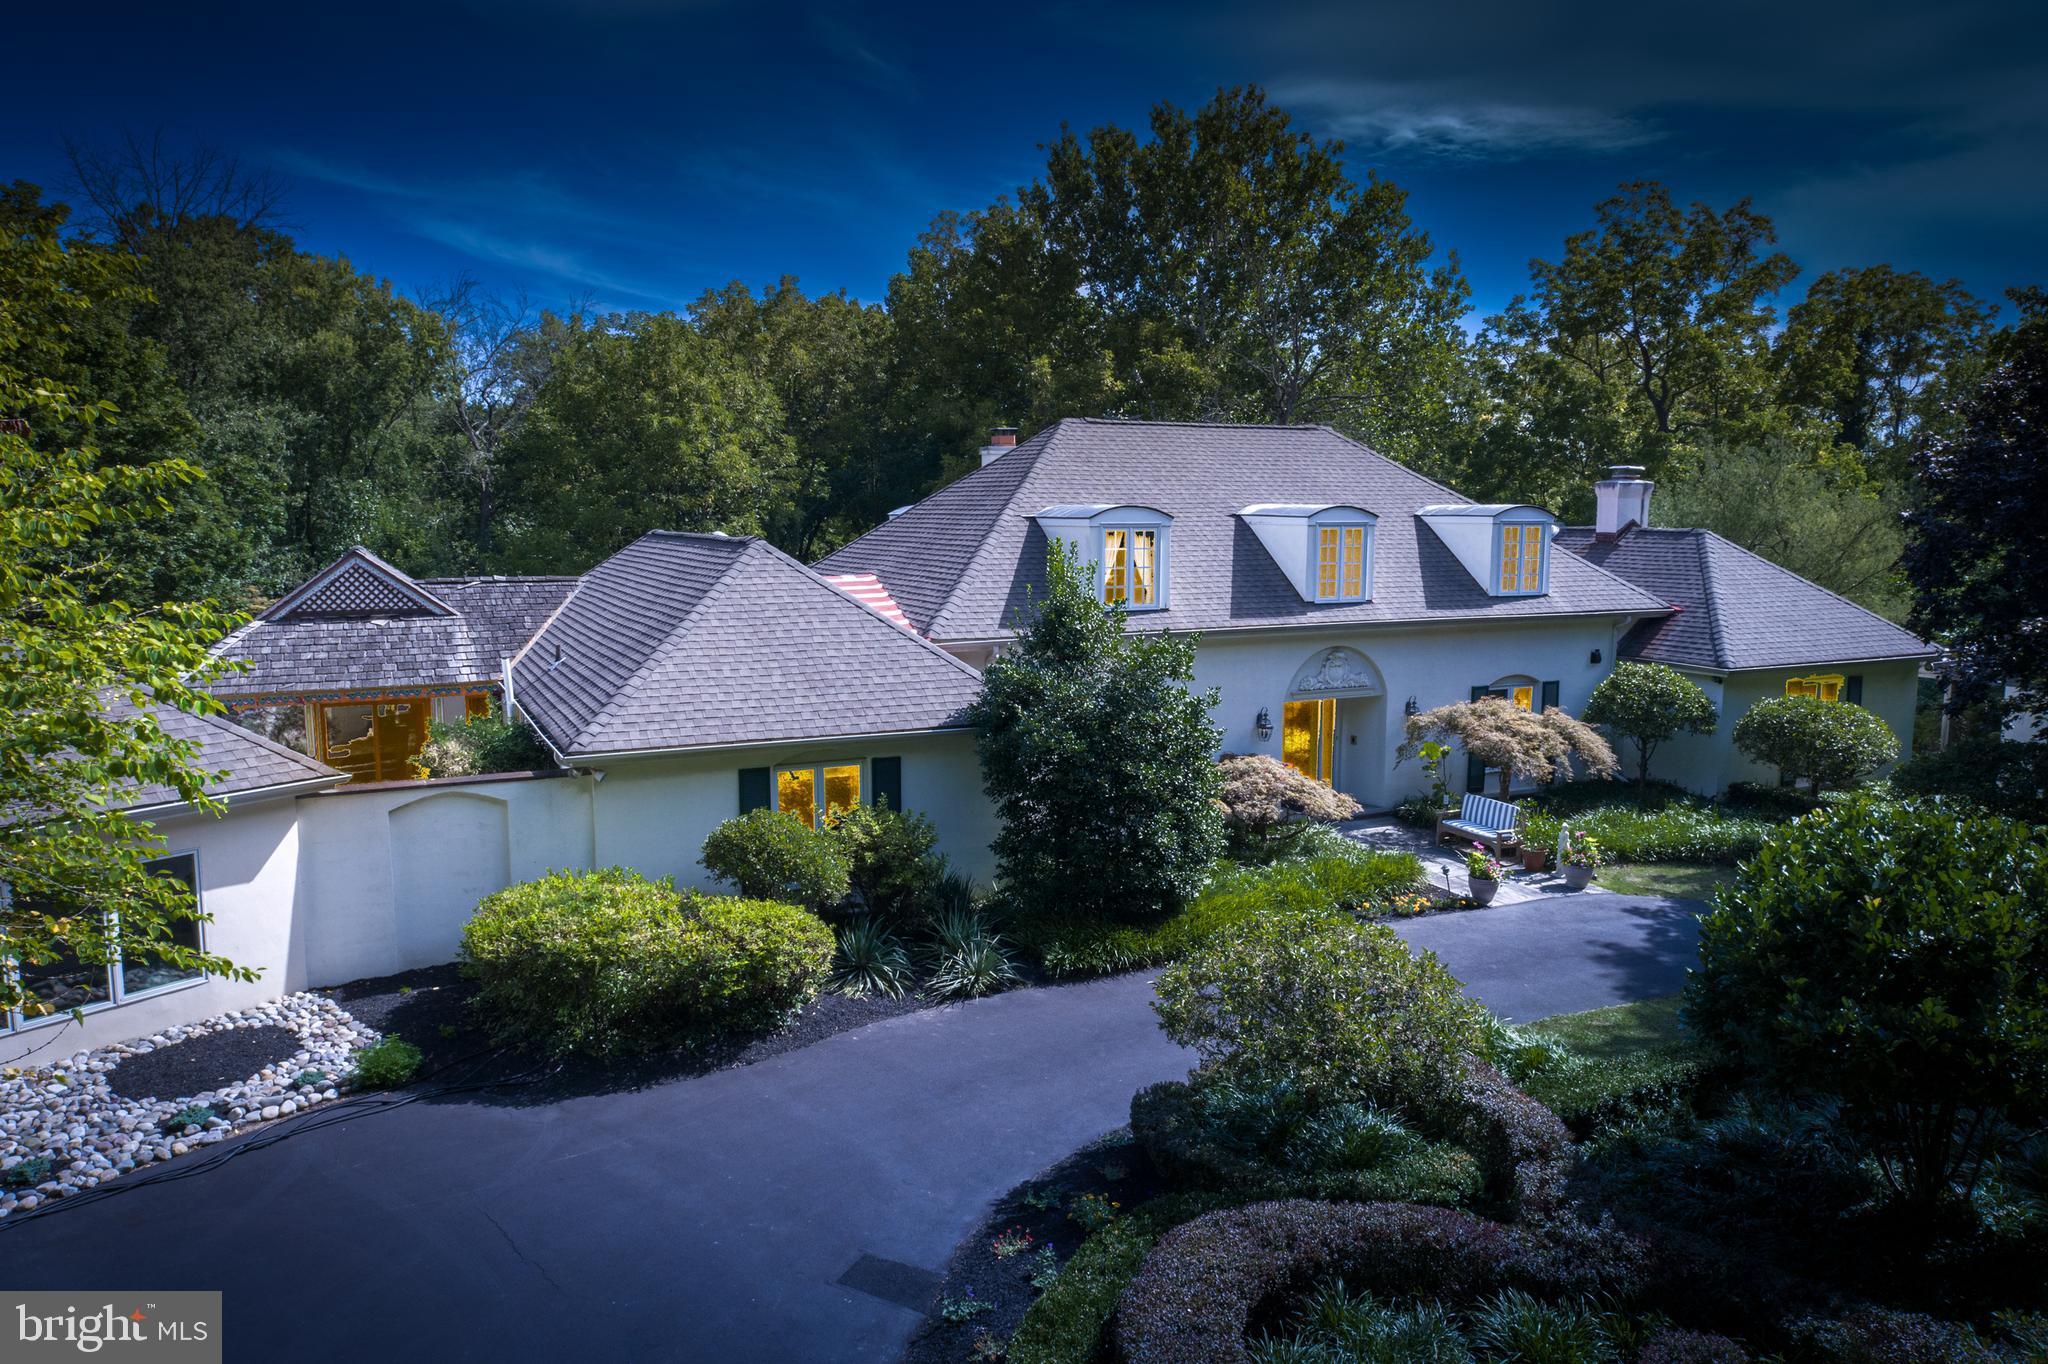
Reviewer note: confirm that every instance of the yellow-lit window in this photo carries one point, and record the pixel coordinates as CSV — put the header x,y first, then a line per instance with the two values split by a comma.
x,y
1340,562
1521,558
1524,697
1144,567
796,793
1308,738
812,794
1115,571
1130,572
1827,687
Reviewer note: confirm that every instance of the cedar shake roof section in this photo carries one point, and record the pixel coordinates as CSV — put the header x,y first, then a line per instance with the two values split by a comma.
x,y
686,640
491,620
966,560
1736,610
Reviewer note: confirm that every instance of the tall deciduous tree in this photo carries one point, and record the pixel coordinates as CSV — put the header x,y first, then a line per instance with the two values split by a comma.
x,y
1098,759
1979,551
85,675
643,424
1879,353
1650,332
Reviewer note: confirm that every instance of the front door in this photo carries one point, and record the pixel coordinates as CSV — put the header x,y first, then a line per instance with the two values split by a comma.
x,y
1308,739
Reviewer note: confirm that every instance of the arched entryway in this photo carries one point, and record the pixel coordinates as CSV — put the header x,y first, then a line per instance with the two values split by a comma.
x,y
1333,725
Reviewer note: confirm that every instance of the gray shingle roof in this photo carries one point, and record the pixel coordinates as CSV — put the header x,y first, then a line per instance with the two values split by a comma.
x,y
493,620
681,640
1736,610
253,762
963,561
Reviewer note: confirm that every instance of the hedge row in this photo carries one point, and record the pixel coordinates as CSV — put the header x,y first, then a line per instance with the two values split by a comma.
x,y
1329,884
1195,1296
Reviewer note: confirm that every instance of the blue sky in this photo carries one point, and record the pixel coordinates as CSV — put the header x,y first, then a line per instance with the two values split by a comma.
x,y
632,153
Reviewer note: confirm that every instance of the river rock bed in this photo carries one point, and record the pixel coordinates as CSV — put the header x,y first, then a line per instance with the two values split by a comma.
x,y
63,1129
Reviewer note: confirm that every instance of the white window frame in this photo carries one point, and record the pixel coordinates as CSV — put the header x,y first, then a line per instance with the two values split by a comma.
x,y
1549,533
118,993
1130,529
817,769
1340,523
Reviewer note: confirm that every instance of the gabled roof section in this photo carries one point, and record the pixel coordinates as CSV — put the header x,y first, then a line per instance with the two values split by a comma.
x,y
357,585
1736,610
685,640
967,559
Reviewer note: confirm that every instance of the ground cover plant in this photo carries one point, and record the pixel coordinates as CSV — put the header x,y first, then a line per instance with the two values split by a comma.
x,y
1655,822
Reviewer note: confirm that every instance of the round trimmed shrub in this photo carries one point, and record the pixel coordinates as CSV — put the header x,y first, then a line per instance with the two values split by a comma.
x,y
889,859
1648,703
1895,954
1339,1010
1829,743
609,963
767,855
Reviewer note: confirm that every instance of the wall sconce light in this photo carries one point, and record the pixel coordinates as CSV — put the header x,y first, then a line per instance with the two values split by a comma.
x,y
1264,724
1410,708
1596,656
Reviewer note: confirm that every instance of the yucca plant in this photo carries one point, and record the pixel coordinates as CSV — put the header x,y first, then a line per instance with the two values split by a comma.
x,y
1515,1326
967,958
872,961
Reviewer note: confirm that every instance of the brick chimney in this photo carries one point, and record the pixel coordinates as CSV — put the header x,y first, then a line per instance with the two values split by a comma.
x,y
1621,500
1001,440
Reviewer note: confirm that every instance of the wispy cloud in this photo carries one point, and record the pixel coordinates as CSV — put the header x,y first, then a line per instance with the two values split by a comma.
x,y
1375,116
858,56
558,262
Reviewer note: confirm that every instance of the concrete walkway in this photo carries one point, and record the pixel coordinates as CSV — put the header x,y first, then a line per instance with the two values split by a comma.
x,y
722,1217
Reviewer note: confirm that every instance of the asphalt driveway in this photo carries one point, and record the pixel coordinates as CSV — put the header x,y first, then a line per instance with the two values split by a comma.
x,y
782,1212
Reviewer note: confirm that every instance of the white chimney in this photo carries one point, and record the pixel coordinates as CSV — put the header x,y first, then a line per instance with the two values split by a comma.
x,y
1000,442
1621,500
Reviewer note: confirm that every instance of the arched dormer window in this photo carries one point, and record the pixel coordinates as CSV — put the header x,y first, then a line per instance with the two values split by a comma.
x,y
1325,550
1130,548
1506,548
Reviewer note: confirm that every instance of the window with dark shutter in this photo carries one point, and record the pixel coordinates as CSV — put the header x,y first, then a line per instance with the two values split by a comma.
x,y
886,777
1852,689
754,789
1549,696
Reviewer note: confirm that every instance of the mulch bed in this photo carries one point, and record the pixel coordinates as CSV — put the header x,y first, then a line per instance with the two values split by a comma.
x,y
1113,1167
202,1063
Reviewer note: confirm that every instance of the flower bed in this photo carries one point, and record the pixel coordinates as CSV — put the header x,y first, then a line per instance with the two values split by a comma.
x,y
63,1129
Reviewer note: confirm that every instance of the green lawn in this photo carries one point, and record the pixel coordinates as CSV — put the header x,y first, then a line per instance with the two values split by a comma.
x,y
1610,1034
1691,881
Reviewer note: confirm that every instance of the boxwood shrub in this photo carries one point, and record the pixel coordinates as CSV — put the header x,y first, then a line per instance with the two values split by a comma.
x,y
770,856
609,963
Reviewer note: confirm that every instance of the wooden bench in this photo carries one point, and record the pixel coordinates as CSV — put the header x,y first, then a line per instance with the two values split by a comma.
x,y
1481,819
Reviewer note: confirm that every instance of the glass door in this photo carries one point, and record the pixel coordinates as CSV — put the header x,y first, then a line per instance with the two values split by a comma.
x,y
1308,739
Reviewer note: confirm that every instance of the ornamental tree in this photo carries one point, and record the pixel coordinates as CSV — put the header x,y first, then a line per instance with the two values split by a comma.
x,y
86,676
1267,804
1098,759
1537,746
1829,743
1894,954
1647,703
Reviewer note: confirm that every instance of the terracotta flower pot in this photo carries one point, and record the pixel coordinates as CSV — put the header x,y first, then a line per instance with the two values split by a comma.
x,y
1533,859
1482,890
1577,878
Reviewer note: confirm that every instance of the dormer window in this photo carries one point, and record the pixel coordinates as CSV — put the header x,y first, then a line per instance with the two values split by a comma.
x,y
1521,558
1131,549
1325,550
1506,548
1130,558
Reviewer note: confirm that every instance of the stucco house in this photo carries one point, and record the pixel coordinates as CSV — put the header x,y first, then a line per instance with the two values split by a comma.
x,y
692,677
1336,592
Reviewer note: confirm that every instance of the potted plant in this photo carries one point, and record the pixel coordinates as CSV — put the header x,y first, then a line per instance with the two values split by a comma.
x,y
1482,869
1539,836
1582,856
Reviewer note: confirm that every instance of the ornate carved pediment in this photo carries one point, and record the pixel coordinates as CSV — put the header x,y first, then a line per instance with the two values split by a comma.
x,y
1338,671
